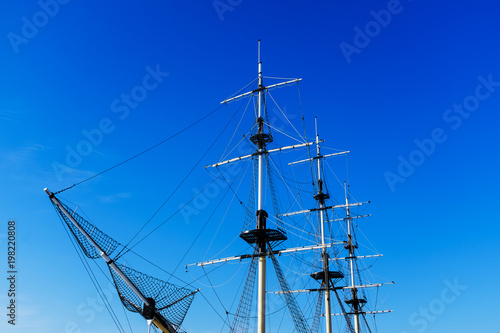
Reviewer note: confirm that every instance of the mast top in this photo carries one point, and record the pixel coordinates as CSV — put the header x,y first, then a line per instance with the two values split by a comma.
x,y
258,51
261,85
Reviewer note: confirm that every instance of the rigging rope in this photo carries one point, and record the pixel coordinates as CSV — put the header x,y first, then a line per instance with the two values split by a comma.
x,y
367,326
348,320
241,319
311,163
143,152
234,192
225,214
317,313
249,216
297,316
214,309
213,289
93,279
175,213
284,115
224,155
111,282
175,190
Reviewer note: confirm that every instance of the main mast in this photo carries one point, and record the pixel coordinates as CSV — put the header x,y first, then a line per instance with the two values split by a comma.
x,y
262,238
260,142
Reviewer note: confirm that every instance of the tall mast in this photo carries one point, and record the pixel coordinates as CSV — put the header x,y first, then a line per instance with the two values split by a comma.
x,y
263,239
261,214
321,196
355,302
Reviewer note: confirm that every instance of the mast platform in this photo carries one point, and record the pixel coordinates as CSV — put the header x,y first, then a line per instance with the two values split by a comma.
x,y
270,235
355,301
322,197
333,275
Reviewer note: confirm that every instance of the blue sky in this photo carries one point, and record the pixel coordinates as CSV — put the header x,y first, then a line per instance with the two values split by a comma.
x,y
414,96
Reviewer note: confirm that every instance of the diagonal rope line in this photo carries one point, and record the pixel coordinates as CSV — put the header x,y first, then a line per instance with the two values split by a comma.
x,y
348,320
297,316
284,115
170,217
143,152
236,130
285,134
178,186
93,279
236,93
317,313
367,326
242,316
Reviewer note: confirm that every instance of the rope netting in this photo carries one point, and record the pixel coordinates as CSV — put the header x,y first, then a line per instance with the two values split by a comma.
x,y
171,302
241,320
105,242
298,317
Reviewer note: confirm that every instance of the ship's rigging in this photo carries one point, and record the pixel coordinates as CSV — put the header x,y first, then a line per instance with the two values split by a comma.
x,y
331,241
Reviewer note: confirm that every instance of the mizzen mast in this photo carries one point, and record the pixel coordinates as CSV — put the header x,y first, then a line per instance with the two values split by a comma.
x,y
356,302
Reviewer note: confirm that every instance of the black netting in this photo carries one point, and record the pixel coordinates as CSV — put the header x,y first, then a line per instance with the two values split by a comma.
x,y
297,315
317,313
171,302
106,243
241,320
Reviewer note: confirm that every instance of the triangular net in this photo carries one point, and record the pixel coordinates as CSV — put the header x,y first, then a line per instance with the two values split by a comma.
x,y
105,242
171,302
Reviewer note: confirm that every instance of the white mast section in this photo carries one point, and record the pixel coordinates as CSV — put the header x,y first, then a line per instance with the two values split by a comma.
x,y
319,181
336,288
260,88
280,252
318,157
261,311
261,235
324,255
352,217
367,312
352,257
367,256
267,152
325,208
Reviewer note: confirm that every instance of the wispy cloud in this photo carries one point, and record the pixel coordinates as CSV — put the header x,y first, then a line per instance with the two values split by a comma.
x,y
23,155
9,115
114,197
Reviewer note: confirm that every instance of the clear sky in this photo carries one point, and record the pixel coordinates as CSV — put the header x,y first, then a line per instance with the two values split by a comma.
x,y
410,87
